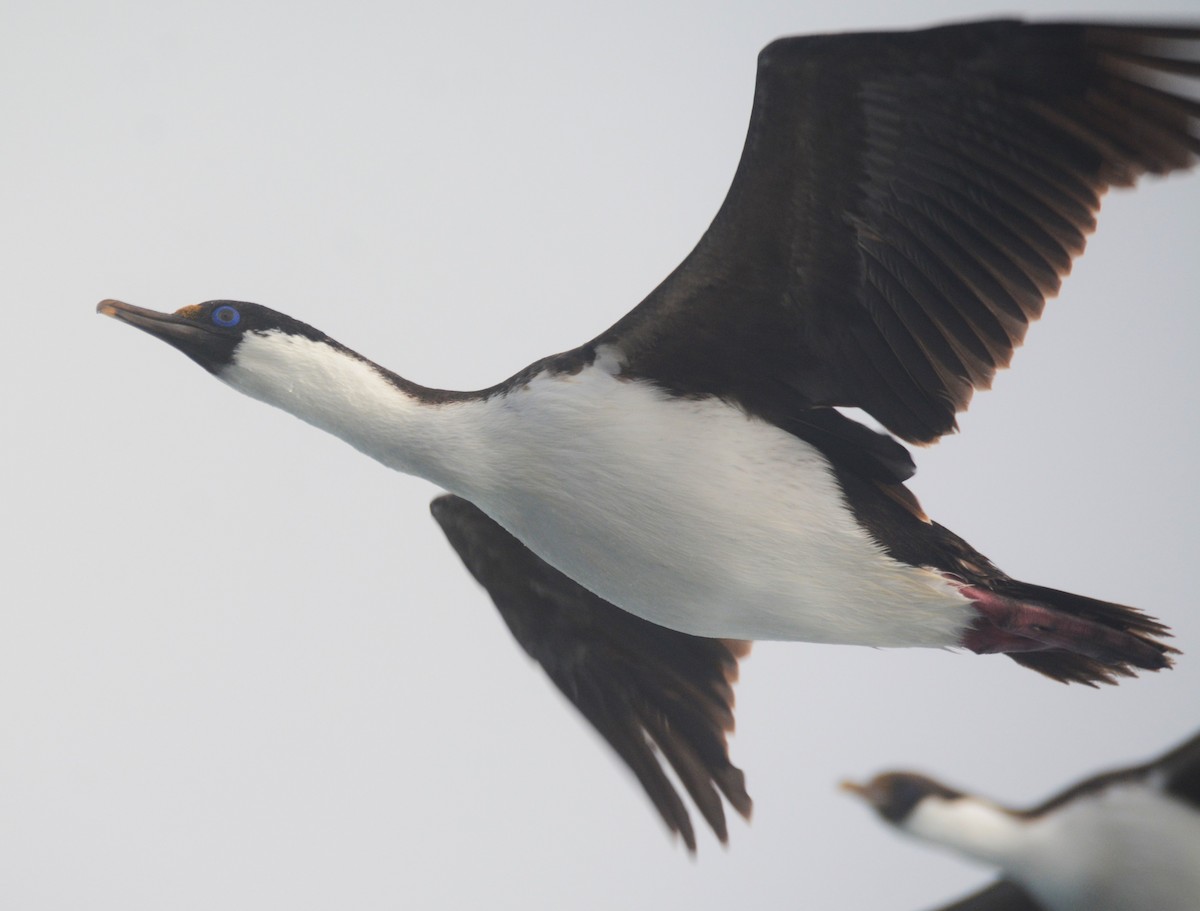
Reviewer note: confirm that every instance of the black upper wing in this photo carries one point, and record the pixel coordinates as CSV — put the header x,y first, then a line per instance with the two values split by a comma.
x,y
1180,769
641,685
904,205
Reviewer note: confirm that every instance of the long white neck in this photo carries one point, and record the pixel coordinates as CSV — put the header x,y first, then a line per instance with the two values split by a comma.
x,y
972,827
349,397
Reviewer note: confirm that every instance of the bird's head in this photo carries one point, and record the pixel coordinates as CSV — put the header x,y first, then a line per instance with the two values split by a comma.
x,y
896,795
258,351
212,333
279,360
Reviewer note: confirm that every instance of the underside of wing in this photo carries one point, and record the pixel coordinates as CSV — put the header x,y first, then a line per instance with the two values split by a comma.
x,y
904,206
648,690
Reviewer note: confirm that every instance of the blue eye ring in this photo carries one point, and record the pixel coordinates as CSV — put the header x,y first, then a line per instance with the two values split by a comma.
x,y
226,316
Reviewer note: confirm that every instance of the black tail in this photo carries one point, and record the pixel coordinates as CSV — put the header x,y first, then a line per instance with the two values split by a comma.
x,y
1068,637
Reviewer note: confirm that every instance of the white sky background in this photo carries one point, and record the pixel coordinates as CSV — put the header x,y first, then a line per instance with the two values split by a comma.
x,y
239,666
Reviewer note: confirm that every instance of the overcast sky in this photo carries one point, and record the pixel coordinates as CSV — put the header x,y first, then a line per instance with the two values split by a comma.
x,y
239,666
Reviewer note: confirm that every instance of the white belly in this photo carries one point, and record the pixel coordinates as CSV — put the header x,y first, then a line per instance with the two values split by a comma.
x,y
692,515
684,512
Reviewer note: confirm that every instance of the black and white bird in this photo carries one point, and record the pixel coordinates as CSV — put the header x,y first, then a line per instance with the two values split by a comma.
x,y
1126,840
904,205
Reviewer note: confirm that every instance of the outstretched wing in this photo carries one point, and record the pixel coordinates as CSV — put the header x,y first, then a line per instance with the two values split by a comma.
x,y
642,686
904,205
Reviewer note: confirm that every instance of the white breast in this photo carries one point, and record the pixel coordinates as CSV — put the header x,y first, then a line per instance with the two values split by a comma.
x,y
694,515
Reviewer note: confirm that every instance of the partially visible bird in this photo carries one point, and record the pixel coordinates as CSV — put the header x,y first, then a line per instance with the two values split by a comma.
x,y
1127,840
904,206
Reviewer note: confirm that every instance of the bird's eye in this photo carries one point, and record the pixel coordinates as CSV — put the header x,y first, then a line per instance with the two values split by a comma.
x,y
226,316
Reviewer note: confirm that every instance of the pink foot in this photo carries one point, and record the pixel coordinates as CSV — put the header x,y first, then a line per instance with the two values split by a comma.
x,y
1007,625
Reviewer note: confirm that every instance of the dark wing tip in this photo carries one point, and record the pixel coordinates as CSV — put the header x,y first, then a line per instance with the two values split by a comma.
x,y
978,220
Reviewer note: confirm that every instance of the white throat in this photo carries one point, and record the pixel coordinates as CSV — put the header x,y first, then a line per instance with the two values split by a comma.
x,y
349,397
971,826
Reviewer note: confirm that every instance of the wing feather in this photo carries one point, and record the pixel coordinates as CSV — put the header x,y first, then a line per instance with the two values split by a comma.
x,y
646,689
